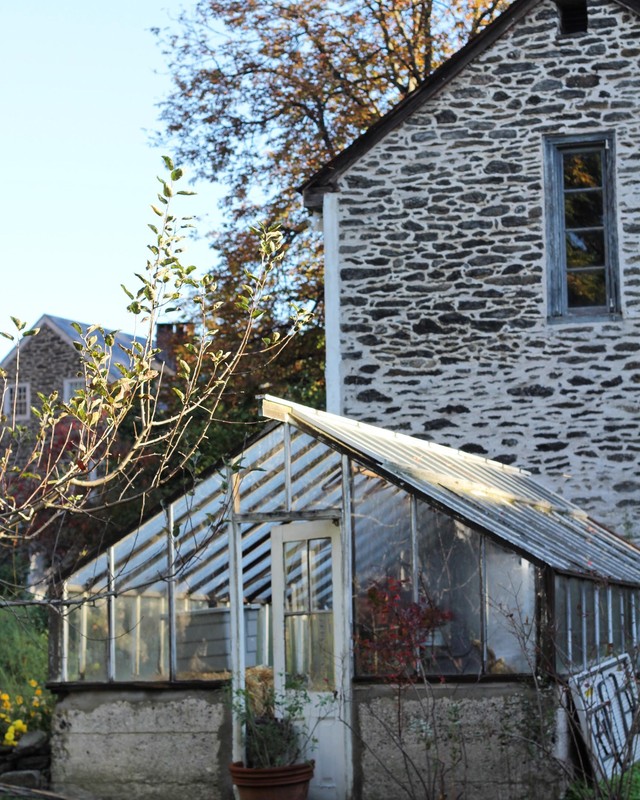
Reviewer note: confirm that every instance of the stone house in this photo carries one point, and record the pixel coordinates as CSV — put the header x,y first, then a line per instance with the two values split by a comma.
x,y
49,362
482,254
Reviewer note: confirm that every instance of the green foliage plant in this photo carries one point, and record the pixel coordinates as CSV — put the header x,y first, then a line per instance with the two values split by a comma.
x,y
24,702
276,734
23,654
626,787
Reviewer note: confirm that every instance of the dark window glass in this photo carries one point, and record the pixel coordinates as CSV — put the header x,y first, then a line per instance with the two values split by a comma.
x,y
449,570
584,229
585,249
582,277
574,17
583,209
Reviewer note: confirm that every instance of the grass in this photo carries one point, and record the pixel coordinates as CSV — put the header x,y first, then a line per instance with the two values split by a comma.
x,y
627,788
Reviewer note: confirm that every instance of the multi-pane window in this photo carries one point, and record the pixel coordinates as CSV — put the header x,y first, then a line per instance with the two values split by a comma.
x,y
594,621
71,386
583,275
17,401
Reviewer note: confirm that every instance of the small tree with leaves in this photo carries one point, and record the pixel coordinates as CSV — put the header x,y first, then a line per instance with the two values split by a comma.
x,y
116,441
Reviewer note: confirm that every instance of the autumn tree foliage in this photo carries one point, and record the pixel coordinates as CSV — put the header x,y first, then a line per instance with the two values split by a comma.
x,y
266,92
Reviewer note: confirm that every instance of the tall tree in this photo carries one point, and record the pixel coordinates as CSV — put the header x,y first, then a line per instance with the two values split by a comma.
x,y
266,91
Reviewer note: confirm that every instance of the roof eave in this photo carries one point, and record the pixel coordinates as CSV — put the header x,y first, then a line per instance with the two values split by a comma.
x,y
325,180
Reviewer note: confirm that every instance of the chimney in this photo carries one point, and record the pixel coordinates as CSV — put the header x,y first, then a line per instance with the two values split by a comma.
x,y
574,16
170,336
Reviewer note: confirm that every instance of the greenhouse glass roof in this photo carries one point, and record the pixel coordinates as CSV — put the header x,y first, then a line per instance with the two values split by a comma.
x,y
502,500
295,471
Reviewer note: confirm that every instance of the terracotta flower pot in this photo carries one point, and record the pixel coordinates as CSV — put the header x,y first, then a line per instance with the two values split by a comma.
x,y
272,783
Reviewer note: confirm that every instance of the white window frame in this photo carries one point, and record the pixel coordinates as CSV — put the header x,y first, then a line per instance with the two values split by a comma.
x,y
557,300
71,386
22,404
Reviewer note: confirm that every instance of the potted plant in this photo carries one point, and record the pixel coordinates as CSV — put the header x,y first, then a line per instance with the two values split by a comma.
x,y
276,739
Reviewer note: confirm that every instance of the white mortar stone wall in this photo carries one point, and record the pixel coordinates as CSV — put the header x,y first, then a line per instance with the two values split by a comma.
x,y
441,269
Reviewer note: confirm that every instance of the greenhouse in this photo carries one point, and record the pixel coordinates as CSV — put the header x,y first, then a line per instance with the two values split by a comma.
x,y
274,560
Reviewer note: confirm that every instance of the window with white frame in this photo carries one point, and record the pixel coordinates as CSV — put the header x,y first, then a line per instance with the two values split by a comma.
x,y
17,401
582,248
71,386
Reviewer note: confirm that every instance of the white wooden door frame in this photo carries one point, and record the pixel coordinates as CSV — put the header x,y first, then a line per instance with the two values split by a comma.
x,y
305,531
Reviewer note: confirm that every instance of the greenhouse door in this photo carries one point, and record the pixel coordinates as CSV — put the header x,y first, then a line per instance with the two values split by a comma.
x,y
309,642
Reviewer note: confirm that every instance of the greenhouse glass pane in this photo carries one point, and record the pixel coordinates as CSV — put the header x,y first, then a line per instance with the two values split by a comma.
x,y
203,637
382,530
629,621
603,620
261,482
88,641
382,558
141,637
577,641
309,649
589,615
449,584
510,612
316,474
561,626
617,618
296,577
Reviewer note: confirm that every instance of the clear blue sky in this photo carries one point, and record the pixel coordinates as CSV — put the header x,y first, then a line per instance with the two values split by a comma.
x,y
79,85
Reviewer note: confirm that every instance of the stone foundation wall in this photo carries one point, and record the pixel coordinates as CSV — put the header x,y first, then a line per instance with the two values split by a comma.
x,y
441,267
486,741
482,742
28,763
142,745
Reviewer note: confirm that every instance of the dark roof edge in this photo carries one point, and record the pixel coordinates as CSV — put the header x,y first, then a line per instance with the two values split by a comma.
x,y
323,181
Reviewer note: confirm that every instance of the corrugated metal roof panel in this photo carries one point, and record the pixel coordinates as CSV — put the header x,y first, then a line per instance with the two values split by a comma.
x,y
502,500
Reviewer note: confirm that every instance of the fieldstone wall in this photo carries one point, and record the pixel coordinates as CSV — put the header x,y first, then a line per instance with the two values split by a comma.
x,y
130,744
476,741
46,360
28,763
441,267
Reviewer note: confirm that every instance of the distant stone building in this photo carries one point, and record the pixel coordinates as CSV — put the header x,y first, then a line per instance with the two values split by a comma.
x,y
483,255
49,362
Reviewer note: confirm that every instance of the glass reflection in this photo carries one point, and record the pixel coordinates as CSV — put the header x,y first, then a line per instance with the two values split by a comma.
x,y
585,249
584,220
581,170
295,576
583,209
88,641
510,613
586,289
